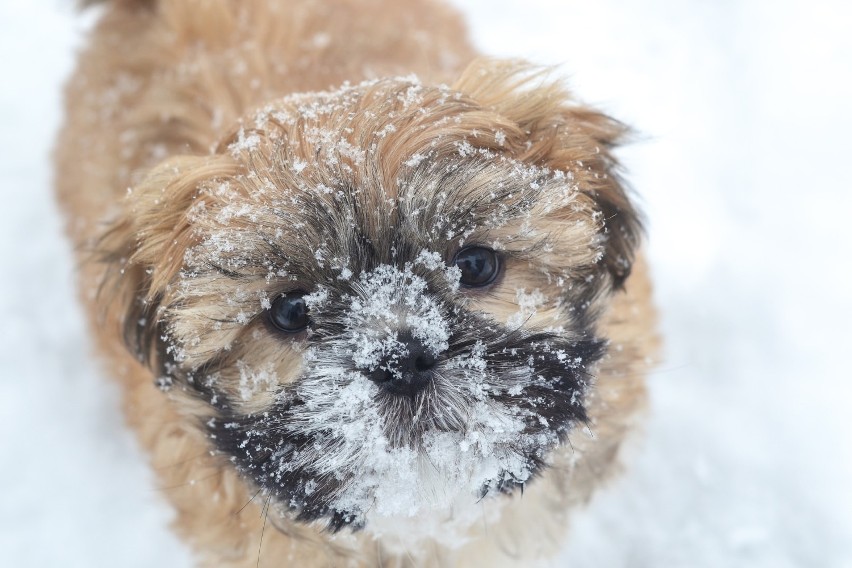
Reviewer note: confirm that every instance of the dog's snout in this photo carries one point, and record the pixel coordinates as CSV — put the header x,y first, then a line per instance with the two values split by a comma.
x,y
407,373
424,361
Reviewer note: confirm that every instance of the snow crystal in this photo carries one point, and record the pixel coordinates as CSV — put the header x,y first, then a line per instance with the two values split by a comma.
x,y
414,160
528,306
317,299
321,40
431,260
465,148
253,381
244,143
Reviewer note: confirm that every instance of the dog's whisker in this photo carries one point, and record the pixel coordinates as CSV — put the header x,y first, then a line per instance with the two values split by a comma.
x,y
265,515
379,555
247,503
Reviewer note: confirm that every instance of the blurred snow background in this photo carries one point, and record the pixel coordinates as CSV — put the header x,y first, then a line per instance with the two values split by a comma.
x,y
745,107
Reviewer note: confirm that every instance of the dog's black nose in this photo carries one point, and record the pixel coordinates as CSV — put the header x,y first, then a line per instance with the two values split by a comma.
x,y
405,375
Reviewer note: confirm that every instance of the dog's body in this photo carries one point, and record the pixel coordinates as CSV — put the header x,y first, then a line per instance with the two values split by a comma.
x,y
181,101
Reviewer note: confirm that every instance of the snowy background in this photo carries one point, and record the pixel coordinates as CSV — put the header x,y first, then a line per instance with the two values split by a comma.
x,y
746,109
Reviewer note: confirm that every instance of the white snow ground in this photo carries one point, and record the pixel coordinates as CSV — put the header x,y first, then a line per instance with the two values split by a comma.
x,y
747,457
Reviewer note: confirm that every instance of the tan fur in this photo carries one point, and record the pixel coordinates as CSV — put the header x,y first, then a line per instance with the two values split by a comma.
x,y
160,101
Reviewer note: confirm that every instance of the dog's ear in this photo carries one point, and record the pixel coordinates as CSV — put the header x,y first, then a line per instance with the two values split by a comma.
x,y
557,132
143,250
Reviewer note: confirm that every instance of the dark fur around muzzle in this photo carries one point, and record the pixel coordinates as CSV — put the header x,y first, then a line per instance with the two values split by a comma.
x,y
336,443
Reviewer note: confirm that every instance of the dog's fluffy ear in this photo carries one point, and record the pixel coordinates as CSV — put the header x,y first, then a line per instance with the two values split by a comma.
x,y
561,133
144,249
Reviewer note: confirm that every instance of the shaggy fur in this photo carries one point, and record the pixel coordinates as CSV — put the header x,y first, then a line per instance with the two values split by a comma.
x,y
206,169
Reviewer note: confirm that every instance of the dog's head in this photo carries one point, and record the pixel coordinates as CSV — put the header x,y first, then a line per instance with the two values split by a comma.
x,y
385,295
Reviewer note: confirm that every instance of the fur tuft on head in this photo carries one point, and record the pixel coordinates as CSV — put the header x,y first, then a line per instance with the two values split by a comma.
x,y
560,133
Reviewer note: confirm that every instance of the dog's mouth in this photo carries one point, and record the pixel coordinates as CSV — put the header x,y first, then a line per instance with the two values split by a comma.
x,y
352,437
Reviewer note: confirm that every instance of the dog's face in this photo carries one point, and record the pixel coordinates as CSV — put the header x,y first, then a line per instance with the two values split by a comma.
x,y
386,296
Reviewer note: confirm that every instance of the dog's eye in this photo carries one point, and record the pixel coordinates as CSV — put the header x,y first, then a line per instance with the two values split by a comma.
x,y
289,312
479,265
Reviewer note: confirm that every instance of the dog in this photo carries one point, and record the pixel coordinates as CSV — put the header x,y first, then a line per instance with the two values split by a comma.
x,y
372,300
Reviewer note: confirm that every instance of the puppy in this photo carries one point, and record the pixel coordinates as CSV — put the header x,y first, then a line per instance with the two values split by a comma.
x,y
372,301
